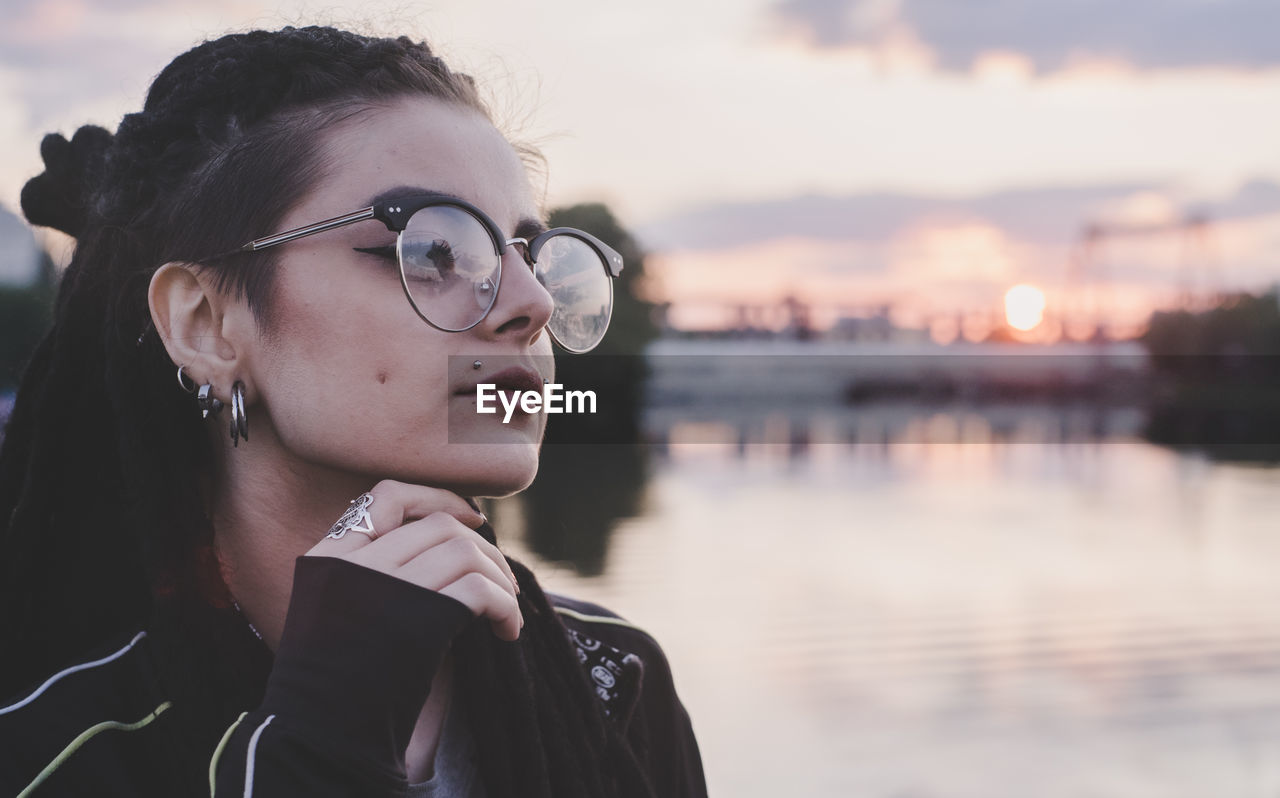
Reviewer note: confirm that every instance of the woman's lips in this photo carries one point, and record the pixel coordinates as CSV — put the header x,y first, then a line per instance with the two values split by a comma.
x,y
509,379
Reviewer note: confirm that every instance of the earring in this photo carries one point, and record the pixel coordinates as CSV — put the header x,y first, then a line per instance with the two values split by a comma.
x,y
239,421
183,380
207,402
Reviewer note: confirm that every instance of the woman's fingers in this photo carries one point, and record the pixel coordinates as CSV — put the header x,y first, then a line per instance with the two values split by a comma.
x,y
427,536
403,502
449,561
487,599
394,503
399,546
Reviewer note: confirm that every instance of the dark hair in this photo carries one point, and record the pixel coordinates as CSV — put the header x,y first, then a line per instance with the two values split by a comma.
x,y
104,524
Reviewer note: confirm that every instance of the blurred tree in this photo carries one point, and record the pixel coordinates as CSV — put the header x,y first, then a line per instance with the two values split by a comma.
x,y
1219,378
593,466
1240,325
25,315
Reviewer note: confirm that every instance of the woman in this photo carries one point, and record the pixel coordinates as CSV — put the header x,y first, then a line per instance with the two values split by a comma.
x,y
185,615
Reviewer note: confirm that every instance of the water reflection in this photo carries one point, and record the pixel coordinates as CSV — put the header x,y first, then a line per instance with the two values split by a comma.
x,y
581,491
880,425
1246,434
920,598
958,618
584,490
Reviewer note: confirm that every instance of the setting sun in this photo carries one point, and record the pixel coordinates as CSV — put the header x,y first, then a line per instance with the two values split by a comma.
x,y
1024,306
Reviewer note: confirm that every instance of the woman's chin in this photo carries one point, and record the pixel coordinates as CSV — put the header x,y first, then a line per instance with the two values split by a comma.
x,y
499,471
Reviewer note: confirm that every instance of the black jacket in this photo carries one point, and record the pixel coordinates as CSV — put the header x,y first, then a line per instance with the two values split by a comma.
x,y
99,727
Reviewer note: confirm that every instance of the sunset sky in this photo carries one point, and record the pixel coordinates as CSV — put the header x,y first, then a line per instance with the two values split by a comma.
x,y
924,154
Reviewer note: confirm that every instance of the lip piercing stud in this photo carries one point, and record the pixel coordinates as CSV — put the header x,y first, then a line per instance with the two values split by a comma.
x,y
476,365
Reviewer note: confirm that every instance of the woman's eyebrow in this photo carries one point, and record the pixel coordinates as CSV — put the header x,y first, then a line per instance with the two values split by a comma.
x,y
527,227
400,192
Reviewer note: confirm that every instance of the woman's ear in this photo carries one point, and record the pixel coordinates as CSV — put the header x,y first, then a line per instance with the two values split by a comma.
x,y
198,325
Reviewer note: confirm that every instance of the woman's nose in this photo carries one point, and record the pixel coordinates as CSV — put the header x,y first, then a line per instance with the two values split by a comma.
x,y
523,307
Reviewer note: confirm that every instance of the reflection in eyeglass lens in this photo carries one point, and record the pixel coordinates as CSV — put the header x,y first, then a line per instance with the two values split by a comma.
x,y
451,271
574,274
450,266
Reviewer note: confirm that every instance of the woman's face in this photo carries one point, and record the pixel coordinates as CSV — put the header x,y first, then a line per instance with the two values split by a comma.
x,y
347,374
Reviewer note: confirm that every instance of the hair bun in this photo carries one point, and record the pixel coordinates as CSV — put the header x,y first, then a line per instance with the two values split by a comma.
x,y
61,196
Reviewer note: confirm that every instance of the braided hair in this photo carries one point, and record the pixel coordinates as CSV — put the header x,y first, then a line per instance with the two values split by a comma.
x,y
104,471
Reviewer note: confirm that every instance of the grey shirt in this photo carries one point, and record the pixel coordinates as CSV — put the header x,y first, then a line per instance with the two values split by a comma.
x,y
455,774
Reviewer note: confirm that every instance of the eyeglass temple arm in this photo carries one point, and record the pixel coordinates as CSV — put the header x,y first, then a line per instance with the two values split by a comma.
x,y
613,260
299,232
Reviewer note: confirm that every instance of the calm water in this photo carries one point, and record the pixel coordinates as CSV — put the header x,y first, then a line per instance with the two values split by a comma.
x,y
967,619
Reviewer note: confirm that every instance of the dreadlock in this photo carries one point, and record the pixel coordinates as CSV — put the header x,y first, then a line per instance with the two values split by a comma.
x,y
104,516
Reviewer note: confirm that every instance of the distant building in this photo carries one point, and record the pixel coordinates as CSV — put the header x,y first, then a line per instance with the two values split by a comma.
x,y
862,328
875,328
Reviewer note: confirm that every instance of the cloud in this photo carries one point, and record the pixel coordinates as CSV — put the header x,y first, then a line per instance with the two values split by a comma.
x,y
74,53
1146,33
930,257
1042,215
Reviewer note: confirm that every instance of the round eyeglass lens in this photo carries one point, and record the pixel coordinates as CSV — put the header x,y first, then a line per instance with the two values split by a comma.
x,y
574,274
449,267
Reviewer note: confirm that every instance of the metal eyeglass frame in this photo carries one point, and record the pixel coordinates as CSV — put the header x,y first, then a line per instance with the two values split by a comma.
x,y
395,215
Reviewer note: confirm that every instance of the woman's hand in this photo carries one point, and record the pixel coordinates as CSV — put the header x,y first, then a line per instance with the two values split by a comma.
x,y
427,536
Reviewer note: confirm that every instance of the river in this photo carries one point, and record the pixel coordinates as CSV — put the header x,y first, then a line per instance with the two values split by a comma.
x,y
983,618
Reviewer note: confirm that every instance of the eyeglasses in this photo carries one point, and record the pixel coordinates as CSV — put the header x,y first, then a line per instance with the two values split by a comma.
x,y
450,258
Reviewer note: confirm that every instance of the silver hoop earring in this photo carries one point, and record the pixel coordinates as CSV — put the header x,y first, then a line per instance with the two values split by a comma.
x,y
187,384
239,421
207,401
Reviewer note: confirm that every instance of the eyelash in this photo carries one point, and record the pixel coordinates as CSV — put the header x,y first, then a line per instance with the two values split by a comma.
x,y
383,252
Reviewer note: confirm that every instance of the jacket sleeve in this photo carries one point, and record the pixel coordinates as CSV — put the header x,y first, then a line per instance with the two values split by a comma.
x,y
351,674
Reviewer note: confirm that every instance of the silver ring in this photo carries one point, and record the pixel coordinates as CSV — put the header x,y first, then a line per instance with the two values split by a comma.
x,y
355,519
